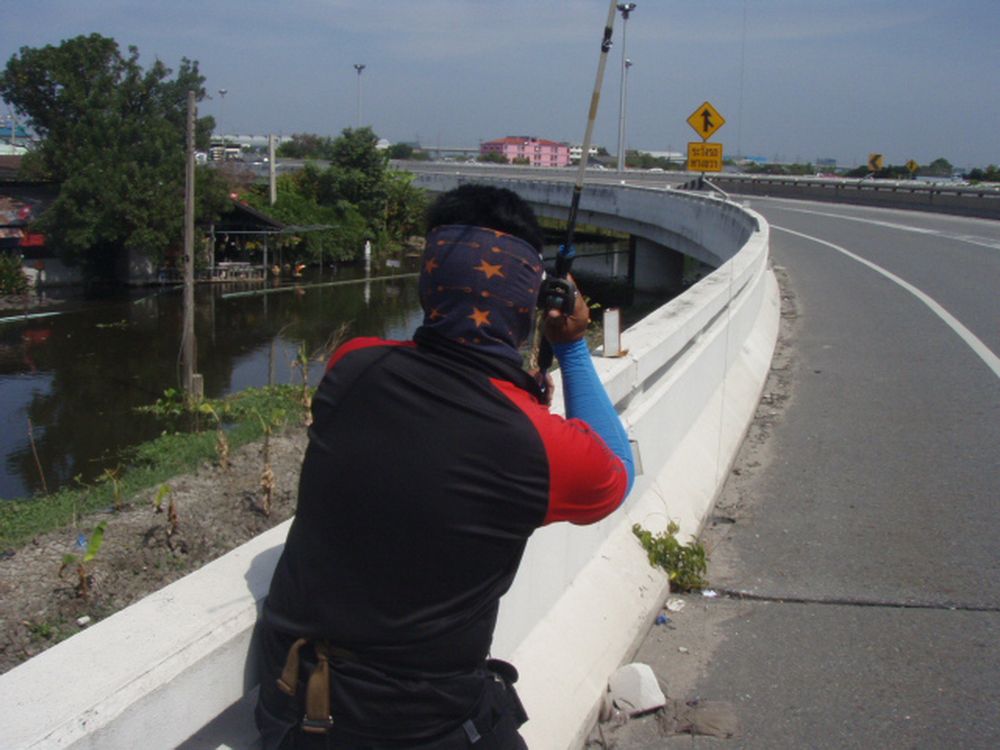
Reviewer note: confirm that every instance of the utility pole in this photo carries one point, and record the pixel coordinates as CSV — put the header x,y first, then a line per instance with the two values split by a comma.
x,y
193,383
222,129
625,9
272,178
359,67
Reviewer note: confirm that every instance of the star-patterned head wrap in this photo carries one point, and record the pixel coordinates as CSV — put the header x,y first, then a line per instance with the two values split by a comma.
x,y
479,287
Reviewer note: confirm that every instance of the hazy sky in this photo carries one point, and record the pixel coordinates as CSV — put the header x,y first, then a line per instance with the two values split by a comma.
x,y
795,79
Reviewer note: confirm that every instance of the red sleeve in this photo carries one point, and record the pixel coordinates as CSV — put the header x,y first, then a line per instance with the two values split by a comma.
x,y
587,481
362,342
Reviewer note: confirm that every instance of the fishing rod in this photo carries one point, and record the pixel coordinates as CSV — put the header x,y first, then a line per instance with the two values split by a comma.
x,y
558,291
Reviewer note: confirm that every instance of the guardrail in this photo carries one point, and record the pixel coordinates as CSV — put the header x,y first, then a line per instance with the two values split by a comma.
x,y
981,201
162,669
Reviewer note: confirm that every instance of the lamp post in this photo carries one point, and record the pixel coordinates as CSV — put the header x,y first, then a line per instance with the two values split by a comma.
x,y
625,9
222,102
359,67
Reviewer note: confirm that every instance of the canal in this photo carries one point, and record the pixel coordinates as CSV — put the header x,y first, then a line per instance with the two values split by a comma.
x,y
70,382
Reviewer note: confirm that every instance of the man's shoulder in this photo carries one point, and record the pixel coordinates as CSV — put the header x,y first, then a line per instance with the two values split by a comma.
x,y
362,343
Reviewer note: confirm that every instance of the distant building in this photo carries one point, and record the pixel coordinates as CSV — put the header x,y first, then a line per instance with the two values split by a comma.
x,y
225,151
668,155
537,151
576,153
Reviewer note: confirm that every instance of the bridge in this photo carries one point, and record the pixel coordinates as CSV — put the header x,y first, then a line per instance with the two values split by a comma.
x,y
687,389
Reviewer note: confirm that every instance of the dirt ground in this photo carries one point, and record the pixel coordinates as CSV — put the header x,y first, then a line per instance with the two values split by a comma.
x,y
217,509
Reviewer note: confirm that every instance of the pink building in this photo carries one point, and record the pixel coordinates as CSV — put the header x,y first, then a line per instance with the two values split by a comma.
x,y
537,151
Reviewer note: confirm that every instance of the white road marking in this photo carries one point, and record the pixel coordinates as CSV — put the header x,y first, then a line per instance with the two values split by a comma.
x,y
973,341
970,239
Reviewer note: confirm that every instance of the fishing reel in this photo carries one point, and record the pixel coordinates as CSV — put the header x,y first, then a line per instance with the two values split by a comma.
x,y
557,291
557,294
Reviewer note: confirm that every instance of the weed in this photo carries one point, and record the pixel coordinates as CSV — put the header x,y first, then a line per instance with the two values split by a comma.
x,y
80,562
52,631
112,476
685,564
173,519
164,491
221,441
34,451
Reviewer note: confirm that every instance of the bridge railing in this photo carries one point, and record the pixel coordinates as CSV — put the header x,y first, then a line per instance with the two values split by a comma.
x,y
164,668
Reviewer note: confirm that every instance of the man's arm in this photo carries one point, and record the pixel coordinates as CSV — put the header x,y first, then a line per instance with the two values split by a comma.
x,y
584,394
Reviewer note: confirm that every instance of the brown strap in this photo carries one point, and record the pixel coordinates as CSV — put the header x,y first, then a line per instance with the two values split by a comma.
x,y
289,679
318,719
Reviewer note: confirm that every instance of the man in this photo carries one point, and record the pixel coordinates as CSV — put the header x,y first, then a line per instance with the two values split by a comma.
x,y
430,463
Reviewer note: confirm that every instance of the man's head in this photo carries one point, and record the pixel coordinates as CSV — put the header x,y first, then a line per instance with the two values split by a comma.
x,y
481,269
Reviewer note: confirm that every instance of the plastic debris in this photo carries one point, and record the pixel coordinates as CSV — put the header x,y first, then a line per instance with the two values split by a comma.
x,y
635,689
662,619
709,593
683,649
675,605
83,621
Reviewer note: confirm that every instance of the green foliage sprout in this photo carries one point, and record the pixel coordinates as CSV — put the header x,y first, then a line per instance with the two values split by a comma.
x,y
93,547
685,564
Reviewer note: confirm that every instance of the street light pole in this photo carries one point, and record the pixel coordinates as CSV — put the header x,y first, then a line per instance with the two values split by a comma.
x,y
359,67
222,102
625,9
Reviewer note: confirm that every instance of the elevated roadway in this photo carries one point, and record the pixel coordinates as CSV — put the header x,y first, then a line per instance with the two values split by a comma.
x,y
855,548
860,563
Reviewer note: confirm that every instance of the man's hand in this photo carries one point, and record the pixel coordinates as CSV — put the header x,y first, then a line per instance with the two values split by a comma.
x,y
565,329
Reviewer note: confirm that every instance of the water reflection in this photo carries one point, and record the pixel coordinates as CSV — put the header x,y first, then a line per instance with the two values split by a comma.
x,y
78,376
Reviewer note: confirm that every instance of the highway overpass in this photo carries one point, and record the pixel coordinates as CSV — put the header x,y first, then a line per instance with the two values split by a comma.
x,y
687,390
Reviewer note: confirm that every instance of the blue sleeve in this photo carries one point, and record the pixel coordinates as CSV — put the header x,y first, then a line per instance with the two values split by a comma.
x,y
587,400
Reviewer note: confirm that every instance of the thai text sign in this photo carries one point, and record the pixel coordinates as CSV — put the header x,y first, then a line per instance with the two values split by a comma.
x,y
704,157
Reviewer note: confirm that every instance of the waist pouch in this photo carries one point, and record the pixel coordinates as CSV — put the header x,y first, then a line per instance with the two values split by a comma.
x,y
300,708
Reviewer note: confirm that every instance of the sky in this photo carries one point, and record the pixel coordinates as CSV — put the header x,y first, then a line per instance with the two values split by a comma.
x,y
795,80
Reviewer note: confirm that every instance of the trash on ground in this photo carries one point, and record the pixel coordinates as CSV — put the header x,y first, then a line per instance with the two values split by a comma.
x,y
662,619
675,605
709,593
635,690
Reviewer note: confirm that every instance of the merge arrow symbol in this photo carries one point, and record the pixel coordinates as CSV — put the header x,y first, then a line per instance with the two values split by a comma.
x,y
706,116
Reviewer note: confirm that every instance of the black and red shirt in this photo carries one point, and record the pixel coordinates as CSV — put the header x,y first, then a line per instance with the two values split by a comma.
x,y
429,465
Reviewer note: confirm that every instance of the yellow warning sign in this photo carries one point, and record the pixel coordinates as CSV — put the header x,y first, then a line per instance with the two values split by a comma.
x,y
706,120
704,157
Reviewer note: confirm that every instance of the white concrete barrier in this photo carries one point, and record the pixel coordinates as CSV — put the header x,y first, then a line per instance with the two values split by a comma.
x,y
160,670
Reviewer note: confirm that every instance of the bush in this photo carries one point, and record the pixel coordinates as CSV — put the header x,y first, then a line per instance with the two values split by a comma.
x,y
12,278
685,564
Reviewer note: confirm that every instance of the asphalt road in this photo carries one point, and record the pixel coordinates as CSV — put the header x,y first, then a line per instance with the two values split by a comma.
x,y
856,547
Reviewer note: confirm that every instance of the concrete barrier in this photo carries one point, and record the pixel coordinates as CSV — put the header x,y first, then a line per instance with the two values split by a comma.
x,y
162,669
981,201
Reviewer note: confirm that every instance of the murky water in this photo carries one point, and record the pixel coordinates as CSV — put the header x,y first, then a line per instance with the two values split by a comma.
x,y
74,379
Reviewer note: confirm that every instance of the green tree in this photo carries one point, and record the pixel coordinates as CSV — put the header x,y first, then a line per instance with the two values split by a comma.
x,y
492,157
112,135
405,206
329,231
401,151
307,146
940,167
358,195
